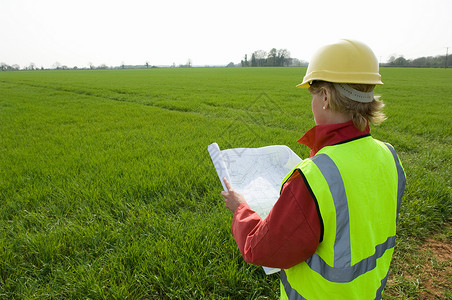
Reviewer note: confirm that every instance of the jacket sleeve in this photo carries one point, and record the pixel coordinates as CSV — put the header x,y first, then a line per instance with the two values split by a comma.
x,y
288,236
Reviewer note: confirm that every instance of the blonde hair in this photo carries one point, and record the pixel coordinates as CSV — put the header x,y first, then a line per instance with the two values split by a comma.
x,y
361,113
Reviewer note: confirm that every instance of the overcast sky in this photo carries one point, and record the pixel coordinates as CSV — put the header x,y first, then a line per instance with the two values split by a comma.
x,y
163,32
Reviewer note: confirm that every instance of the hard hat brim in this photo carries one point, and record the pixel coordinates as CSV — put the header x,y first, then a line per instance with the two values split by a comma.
x,y
304,85
338,77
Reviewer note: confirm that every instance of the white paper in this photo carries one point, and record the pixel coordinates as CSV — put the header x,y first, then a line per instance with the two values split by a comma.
x,y
256,173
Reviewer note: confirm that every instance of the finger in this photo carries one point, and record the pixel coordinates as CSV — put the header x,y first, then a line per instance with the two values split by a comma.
x,y
227,184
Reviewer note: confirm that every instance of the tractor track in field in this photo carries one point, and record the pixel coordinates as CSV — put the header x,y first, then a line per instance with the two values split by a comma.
x,y
121,96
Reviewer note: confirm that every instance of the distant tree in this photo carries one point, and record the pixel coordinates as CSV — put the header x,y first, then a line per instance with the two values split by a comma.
x,y
147,64
245,62
5,67
391,59
231,64
295,62
272,58
420,62
283,58
400,61
253,60
438,61
261,57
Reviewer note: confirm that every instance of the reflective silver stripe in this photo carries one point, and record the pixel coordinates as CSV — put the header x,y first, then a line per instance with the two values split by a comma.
x,y
349,273
291,293
329,170
401,178
382,286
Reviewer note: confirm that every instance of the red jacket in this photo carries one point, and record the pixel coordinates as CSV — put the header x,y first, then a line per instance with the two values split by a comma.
x,y
292,231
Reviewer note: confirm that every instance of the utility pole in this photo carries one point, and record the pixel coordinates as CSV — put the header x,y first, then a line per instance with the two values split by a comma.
x,y
447,52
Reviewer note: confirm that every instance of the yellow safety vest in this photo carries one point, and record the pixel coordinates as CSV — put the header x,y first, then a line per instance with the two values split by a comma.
x,y
358,186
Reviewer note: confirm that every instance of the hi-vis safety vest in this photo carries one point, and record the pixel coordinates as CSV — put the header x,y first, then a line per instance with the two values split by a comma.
x,y
358,187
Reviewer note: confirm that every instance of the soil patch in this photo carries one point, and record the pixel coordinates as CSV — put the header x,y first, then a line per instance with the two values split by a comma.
x,y
437,270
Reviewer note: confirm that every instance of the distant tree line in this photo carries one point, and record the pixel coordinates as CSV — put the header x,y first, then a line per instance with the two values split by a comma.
x,y
274,58
440,61
59,66
5,67
259,58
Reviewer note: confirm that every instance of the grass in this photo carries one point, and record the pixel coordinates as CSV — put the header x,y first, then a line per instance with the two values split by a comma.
x,y
107,190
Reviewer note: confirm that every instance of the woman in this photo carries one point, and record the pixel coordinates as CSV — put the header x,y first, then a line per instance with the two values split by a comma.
x,y
332,230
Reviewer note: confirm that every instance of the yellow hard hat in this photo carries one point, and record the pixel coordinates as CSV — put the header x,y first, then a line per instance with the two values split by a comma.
x,y
345,61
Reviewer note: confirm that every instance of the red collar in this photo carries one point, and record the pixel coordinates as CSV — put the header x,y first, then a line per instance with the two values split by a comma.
x,y
326,135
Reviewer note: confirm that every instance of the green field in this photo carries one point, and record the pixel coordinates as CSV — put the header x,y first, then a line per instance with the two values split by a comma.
x,y
107,190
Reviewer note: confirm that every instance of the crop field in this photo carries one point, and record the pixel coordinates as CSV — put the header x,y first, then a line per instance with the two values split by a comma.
x,y
107,190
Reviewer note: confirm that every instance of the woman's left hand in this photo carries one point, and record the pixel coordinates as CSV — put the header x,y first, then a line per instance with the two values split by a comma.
x,y
232,199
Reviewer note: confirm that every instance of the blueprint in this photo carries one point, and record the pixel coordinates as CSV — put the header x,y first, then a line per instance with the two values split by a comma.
x,y
256,173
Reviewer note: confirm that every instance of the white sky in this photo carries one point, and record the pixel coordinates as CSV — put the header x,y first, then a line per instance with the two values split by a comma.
x,y
163,32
